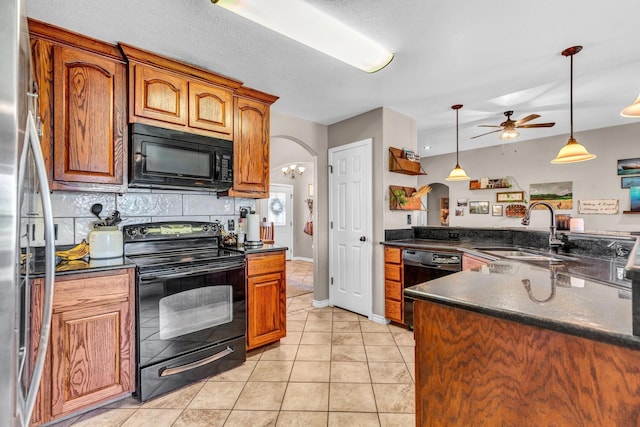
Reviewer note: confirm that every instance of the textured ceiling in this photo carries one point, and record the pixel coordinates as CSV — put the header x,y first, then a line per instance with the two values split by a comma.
x,y
491,56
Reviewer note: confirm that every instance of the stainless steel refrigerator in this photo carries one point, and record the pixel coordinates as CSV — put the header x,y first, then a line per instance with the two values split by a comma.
x,y
24,205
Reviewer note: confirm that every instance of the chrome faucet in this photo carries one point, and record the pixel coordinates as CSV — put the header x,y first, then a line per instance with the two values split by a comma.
x,y
554,242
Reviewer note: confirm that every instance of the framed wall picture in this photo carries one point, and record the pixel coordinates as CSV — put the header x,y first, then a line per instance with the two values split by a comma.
x,y
510,196
496,210
480,207
629,181
629,166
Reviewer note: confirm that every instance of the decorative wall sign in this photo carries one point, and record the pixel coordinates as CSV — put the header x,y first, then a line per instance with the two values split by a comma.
x,y
459,211
629,181
598,206
480,207
496,210
557,194
510,196
629,166
462,202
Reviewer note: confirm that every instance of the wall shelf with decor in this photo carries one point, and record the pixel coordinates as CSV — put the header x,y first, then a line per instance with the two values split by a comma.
x,y
489,183
400,199
398,162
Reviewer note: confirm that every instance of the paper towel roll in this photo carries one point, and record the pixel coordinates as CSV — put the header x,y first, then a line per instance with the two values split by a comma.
x,y
253,228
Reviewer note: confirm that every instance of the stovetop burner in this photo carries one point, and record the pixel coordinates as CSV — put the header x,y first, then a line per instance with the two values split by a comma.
x,y
186,256
170,245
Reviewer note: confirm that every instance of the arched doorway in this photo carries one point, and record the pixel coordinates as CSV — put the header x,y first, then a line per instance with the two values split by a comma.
x,y
438,205
285,151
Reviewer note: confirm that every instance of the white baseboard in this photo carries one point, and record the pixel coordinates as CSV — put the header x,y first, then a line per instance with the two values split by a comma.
x,y
301,258
320,304
375,318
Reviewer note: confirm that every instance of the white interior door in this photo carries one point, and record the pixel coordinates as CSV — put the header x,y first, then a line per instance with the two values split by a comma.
x,y
350,216
279,210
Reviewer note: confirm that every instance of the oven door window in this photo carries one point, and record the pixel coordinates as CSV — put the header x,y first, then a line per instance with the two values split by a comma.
x,y
195,310
179,315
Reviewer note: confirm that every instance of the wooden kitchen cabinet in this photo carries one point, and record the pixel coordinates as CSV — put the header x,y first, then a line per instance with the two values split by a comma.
x,y
266,298
81,83
393,285
90,359
171,94
251,149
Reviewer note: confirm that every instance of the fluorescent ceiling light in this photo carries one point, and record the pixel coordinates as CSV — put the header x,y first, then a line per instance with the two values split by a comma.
x,y
299,21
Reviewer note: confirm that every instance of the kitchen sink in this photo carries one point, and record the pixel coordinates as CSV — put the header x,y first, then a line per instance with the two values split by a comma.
x,y
522,255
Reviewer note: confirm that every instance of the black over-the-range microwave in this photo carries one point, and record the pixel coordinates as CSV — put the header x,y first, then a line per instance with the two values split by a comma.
x,y
165,158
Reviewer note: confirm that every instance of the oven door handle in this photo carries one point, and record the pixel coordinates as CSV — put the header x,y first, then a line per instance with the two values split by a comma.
x,y
185,273
166,372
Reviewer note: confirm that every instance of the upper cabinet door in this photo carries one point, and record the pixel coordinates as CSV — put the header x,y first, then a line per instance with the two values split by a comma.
x,y
159,95
251,149
89,117
210,108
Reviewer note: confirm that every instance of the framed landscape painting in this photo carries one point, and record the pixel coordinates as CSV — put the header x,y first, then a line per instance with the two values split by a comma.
x,y
629,166
630,181
558,194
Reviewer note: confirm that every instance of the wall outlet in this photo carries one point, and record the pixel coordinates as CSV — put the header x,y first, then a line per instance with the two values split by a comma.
x,y
409,219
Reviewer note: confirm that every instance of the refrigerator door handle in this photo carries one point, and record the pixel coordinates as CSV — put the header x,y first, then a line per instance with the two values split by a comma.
x,y
33,141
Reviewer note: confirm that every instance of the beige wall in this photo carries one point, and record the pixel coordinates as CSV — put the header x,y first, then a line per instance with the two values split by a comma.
x,y
387,128
314,138
528,162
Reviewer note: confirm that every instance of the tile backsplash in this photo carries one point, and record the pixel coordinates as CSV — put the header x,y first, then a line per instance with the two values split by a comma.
x,y
73,217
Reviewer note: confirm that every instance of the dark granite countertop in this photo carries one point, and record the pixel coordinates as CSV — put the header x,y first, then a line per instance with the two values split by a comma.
x,y
264,248
576,294
85,265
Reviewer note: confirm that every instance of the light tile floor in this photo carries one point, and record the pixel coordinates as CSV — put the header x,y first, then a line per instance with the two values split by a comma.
x,y
334,368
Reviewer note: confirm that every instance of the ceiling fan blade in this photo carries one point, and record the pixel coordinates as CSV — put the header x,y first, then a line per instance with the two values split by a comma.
x,y
483,134
489,126
537,125
527,119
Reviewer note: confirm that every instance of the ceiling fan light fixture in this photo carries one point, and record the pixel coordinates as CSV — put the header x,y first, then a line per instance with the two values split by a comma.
x,y
509,134
632,110
573,152
305,24
457,173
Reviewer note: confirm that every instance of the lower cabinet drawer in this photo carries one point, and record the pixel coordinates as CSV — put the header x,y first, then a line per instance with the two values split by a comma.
x,y
392,272
392,290
393,310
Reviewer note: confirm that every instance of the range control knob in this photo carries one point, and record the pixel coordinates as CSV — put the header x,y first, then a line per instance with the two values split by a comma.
x,y
143,231
215,228
205,228
132,232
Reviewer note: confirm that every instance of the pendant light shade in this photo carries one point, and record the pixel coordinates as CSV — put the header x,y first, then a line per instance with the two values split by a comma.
x,y
572,152
457,173
632,110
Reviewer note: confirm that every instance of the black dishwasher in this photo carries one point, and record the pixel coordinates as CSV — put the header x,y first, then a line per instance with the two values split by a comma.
x,y
421,266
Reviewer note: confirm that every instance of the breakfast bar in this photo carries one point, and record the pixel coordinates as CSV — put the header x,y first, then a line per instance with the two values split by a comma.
x,y
528,337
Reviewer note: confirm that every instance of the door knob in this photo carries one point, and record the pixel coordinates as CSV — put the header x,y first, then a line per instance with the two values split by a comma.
x,y
362,238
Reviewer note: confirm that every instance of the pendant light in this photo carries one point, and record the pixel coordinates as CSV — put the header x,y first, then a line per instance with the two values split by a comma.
x,y
632,110
457,173
573,151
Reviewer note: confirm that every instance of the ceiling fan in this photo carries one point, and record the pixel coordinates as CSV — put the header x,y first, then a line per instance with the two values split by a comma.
x,y
509,127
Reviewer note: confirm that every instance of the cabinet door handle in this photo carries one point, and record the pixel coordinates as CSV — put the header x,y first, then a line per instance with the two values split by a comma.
x,y
363,239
